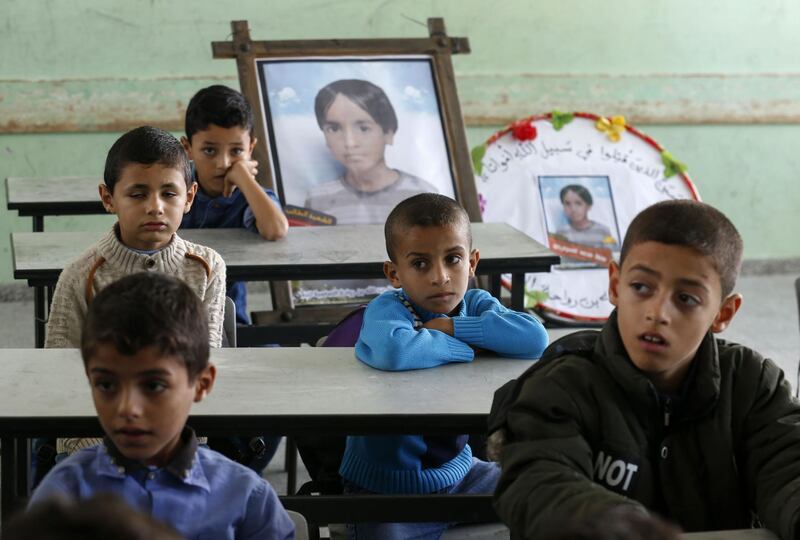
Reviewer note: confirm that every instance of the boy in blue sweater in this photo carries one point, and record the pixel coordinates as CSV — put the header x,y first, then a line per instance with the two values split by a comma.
x,y
146,354
432,319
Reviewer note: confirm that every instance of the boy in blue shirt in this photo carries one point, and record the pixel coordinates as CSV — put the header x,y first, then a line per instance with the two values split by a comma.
x,y
219,140
432,319
145,351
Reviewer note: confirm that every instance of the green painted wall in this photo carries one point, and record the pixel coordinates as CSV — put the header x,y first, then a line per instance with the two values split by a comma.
x,y
716,82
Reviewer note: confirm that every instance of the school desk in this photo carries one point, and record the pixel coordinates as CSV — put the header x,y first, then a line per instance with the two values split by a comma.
x,y
42,196
292,391
341,252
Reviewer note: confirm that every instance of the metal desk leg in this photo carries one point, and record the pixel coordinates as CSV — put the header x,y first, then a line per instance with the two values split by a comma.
x,y
494,285
22,450
8,481
39,307
291,466
518,292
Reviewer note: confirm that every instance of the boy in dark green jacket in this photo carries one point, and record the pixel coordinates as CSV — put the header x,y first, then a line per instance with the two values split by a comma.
x,y
658,414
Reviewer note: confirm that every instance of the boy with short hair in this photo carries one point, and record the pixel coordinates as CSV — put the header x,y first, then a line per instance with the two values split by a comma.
x,y
654,411
145,352
147,185
432,319
219,140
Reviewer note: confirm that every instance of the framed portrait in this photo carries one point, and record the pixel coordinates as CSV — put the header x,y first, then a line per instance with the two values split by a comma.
x,y
580,219
349,138
346,129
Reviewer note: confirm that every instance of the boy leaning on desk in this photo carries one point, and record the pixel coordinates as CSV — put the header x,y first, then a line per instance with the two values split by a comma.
x,y
430,320
654,413
146,354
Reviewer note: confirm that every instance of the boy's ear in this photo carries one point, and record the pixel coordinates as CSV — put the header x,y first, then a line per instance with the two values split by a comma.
x,y
204,382
726,312
613,282
388,138
390,271
106,198
187,146
190,193
253,142
474,257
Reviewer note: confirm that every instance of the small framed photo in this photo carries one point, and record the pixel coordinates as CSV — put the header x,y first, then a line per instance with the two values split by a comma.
x,y
580,219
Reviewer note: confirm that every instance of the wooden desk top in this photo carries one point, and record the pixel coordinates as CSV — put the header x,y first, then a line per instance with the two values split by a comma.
x,y
54,195
340,252
282,390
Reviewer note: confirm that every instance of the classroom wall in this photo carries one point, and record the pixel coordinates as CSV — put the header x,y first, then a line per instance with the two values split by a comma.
x,y
715,82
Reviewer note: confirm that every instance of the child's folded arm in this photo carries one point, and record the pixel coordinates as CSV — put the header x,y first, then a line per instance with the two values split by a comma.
x,y
501,330
389,341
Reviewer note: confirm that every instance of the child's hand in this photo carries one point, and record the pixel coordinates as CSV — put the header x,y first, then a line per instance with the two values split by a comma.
x,y
244,170
442,324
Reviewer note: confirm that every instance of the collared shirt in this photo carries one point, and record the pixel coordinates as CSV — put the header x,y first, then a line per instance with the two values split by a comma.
x,y
200,493
225,213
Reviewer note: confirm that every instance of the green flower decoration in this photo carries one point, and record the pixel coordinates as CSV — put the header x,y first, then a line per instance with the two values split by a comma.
x,y
477,158
671,165
560,119
536,297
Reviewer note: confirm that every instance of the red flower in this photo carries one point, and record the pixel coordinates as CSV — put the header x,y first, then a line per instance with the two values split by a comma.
x,y
523,130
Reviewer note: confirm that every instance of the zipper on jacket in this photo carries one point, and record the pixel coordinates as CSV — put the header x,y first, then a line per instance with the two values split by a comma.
x,y
667,411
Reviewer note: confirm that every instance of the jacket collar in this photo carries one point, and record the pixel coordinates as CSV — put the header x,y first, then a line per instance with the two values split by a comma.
x,y
700,390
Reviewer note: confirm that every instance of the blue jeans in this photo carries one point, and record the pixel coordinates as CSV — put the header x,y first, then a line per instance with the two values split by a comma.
x,y
481,479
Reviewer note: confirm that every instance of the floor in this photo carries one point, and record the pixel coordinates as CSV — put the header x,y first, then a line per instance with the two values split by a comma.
x,y
767,322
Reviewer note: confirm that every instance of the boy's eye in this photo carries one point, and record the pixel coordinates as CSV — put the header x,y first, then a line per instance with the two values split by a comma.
x,y
136,195
640,288
330,128
104,385
209,151
170,194
453,259
419,264
688,299
237,151
154,386
365,128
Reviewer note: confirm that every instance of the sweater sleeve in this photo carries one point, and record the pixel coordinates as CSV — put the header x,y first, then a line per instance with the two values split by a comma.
x,y
490,325
214,300
68,309
547,469
389,341
771,441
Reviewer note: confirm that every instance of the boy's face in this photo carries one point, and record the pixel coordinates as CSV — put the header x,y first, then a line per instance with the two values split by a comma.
x,y
667,298
433,266
354,138
149,201
143,400
575,208
214,150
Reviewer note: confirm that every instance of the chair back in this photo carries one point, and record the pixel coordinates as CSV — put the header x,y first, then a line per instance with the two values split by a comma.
x,y
229,324
300,525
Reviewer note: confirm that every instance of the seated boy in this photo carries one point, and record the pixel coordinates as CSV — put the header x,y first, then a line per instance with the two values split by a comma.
x,y
655,412
145,351
219,140
148,186
432,319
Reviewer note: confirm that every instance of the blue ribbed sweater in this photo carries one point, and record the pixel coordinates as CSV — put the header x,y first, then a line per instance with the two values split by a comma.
x,y
389,341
